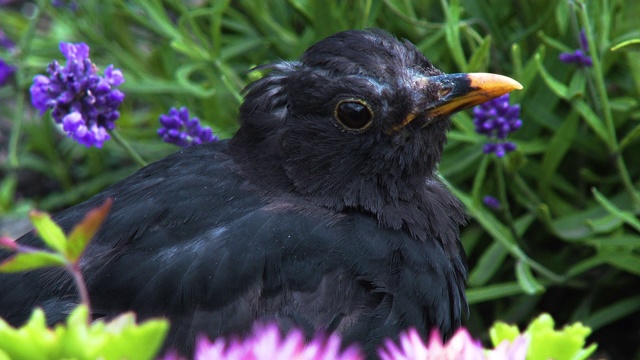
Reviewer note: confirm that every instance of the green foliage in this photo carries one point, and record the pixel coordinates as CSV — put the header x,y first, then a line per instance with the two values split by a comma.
x,y
566,240
120,338
66,251
545,342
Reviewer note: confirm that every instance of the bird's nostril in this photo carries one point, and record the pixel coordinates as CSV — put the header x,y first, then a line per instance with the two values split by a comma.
x,y
444,92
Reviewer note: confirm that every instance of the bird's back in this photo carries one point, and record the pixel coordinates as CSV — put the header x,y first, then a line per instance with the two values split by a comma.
x,y
190,239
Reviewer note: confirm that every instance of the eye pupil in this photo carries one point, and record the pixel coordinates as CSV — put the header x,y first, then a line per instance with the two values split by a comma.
x,y
354,115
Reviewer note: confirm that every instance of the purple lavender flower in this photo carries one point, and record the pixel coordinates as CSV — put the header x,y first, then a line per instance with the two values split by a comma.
x,y
579,56
84,102
6,71
491,202
496,119
179,129
266,343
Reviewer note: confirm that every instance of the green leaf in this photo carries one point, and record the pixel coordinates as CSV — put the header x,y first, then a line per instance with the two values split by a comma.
x,y
630,137
614,312
626,216
492,292
83,232
526,279
621,259
4,355
593,120
501,331
130,341
557,148
184,74
624,44
452,32
32,341
119,339
31,261
480,59
558,88
490,262
49,231
548,343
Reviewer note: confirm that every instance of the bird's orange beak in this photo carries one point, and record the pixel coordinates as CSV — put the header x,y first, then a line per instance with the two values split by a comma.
x,y
458,92
462,91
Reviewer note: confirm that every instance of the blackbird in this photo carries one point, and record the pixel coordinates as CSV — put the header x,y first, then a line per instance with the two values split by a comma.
x,y
324,211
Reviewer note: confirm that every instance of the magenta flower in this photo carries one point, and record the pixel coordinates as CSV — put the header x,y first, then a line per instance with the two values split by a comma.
x,y
84,102
460,347
267,343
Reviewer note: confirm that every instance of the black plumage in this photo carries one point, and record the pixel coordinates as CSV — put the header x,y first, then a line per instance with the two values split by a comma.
x,y
323,212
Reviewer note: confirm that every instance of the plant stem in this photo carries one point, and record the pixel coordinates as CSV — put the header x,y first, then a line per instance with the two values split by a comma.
x,y
24,46
74,269
127,148
598,77
506,210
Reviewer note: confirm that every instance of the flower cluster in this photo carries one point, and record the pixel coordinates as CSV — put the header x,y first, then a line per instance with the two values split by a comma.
x,y
180,129
460,346
266,343
84,102
496,119
579,56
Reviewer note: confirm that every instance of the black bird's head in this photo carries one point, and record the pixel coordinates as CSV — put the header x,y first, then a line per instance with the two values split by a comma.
x,y
359,121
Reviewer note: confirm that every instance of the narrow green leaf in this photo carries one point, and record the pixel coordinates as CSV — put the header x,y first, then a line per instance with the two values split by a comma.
x,y
625,216
480,59
7,191
631,136
624,44
558,88
478,180
577,85
492,292
184,74
614,312
490,262
605,224
31,261
593,120
525,75
83,232
526,279
556,150
621,259
158,20
452,32
49,231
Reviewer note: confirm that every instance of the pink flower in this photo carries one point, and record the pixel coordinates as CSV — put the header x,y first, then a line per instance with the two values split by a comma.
x,y
460,347
267,343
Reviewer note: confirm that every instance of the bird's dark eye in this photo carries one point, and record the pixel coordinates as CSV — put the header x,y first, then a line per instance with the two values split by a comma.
x,y
354,114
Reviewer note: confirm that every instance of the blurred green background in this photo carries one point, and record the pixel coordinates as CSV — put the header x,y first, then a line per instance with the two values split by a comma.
x,y
566,238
